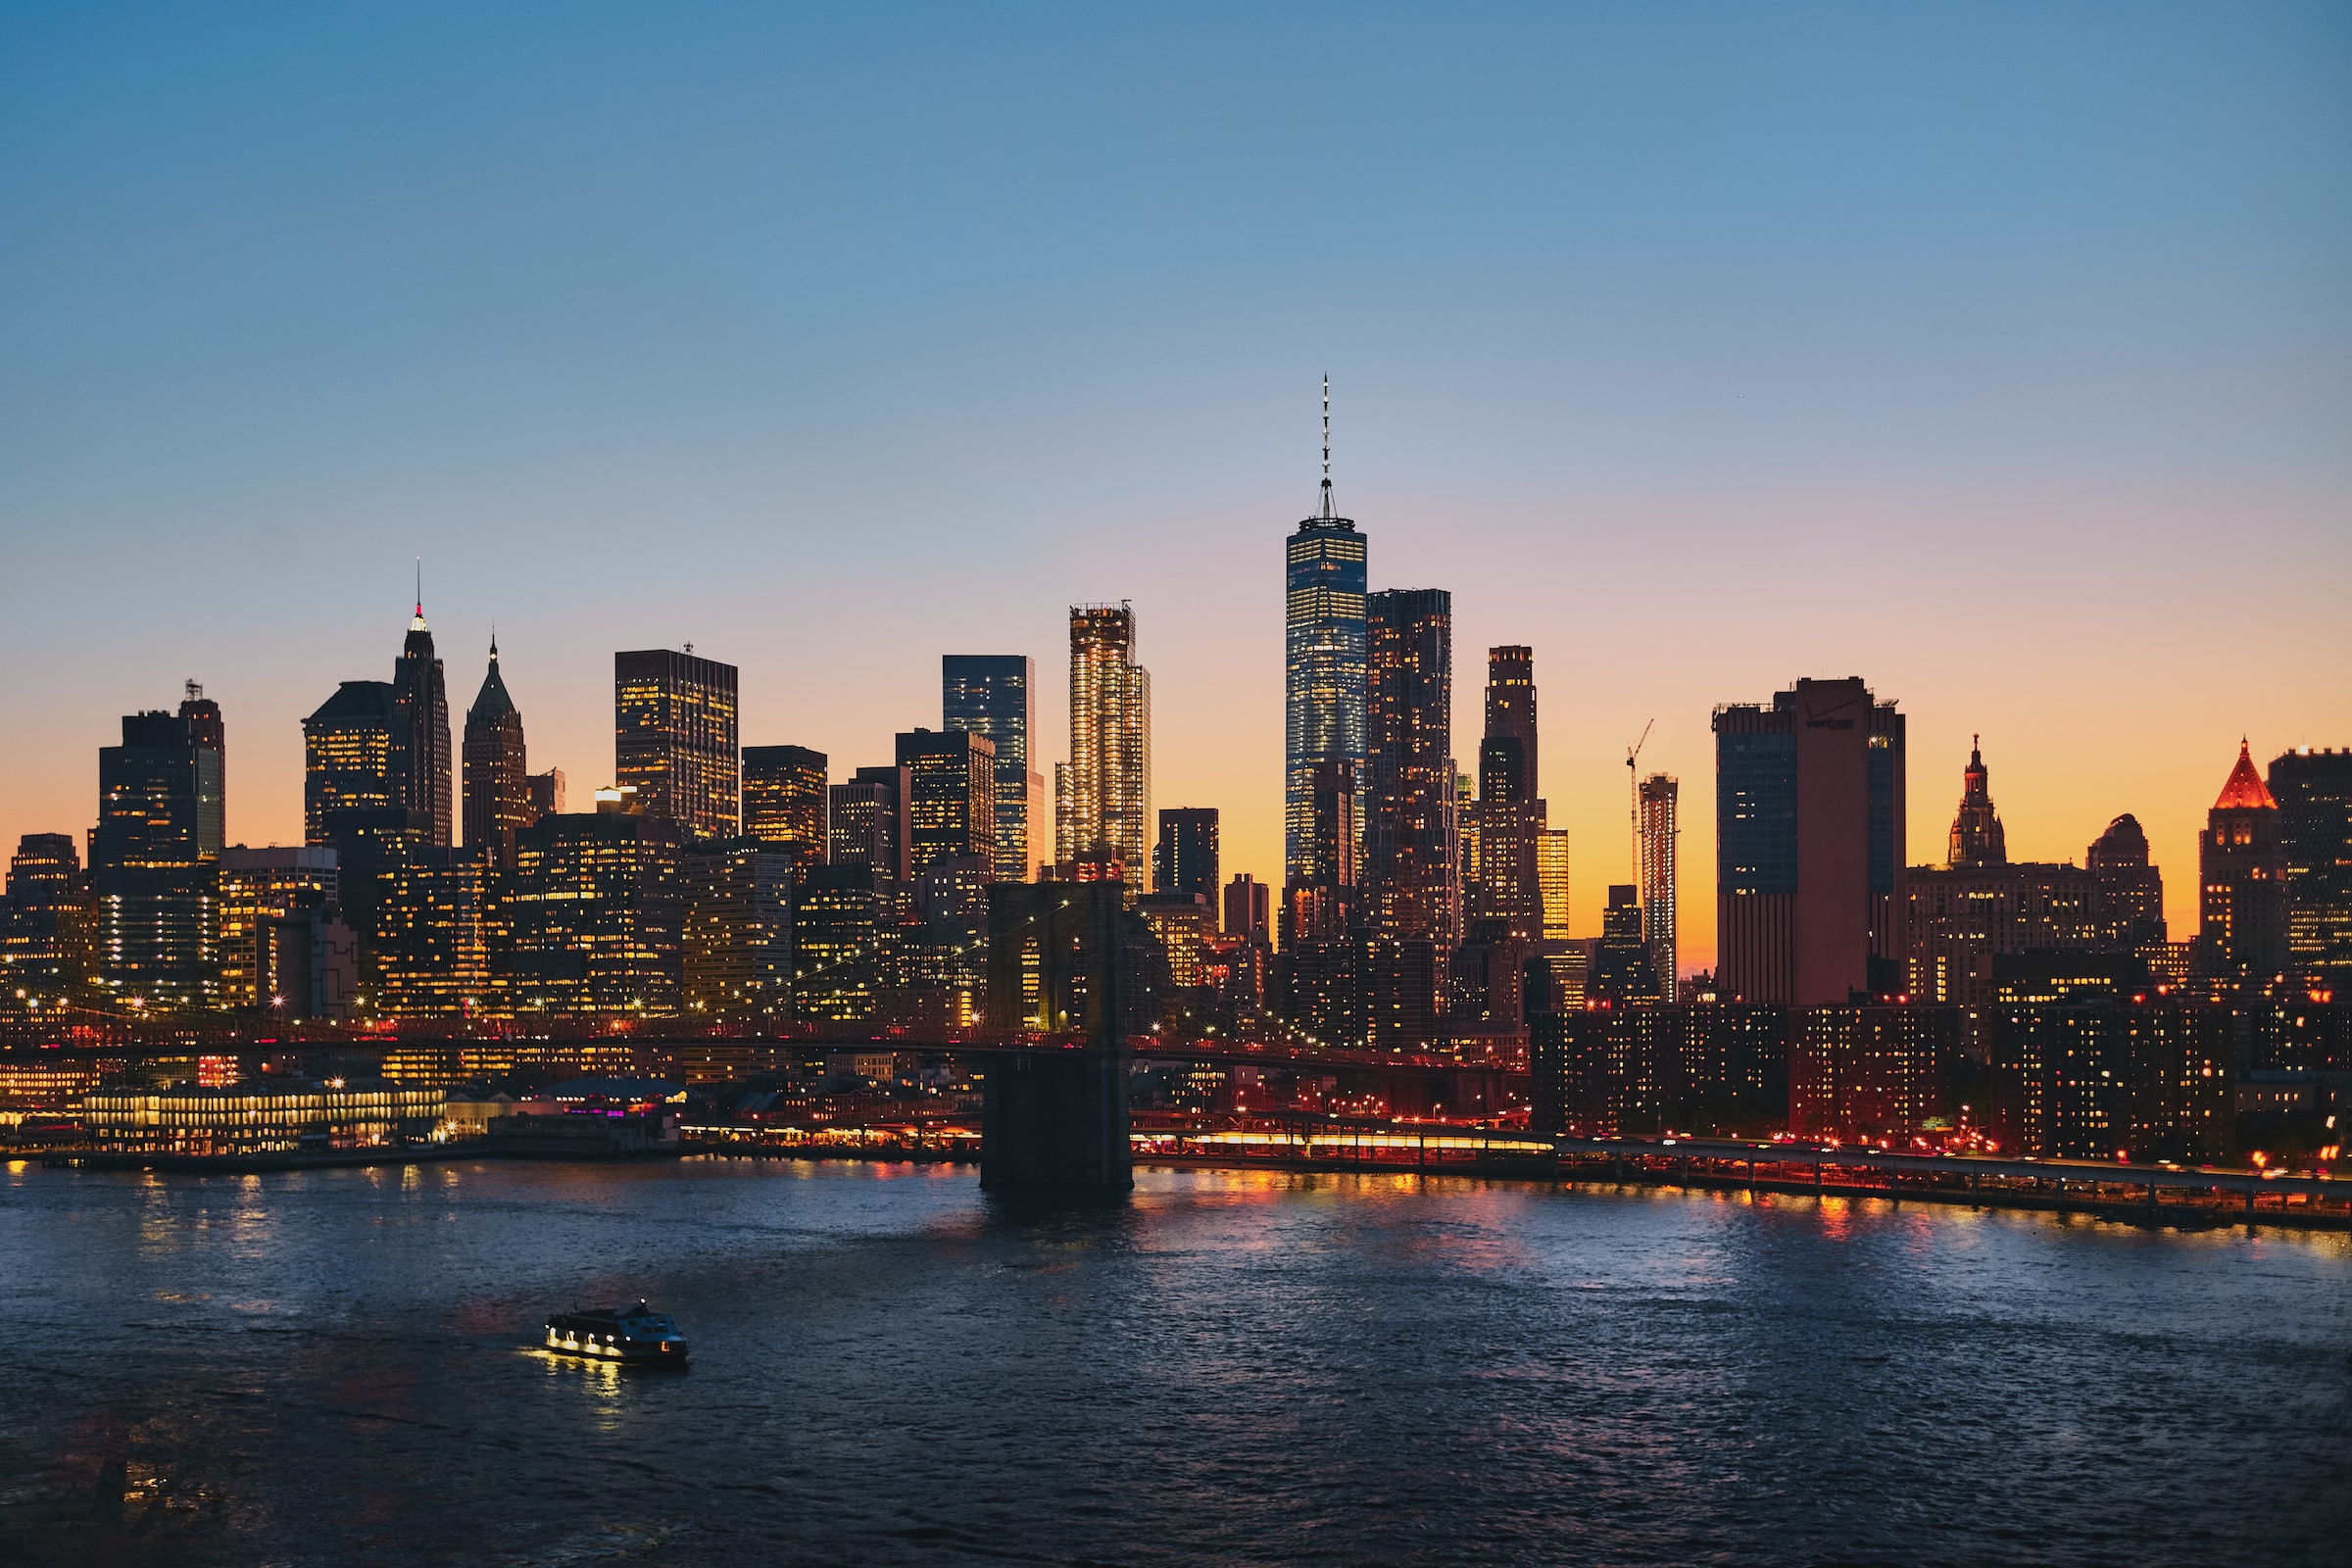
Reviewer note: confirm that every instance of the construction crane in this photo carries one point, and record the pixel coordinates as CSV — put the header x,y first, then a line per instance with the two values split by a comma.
x,y
1632,799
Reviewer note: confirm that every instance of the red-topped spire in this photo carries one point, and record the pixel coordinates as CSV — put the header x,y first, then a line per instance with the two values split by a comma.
x,y
2246,791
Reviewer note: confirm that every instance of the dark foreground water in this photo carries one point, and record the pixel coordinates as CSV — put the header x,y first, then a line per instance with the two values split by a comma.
x,y
336,1368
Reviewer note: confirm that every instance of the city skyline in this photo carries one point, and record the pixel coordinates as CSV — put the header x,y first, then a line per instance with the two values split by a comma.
x,y
1842,381
1928,839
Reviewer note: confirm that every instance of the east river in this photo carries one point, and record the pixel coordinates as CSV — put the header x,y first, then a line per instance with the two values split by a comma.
x,y
337,1367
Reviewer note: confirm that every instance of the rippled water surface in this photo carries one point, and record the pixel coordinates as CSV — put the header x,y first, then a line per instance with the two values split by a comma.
x,y
336,1368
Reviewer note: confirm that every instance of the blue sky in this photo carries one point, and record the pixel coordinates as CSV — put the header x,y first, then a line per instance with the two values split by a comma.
x,y
2002,355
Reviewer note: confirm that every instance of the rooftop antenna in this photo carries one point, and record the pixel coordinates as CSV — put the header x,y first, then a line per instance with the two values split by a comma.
x,y
1633,796
1327,445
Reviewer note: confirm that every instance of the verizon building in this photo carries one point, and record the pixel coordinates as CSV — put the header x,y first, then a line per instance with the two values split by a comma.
x,y
1809,844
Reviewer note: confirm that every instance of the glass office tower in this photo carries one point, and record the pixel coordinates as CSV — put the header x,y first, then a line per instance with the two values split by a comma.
x,y
996,695
1323,647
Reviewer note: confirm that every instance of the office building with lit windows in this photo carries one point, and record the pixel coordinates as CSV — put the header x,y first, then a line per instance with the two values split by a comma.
x,y
431,940
950,796
347,746
737,936
842,942
996,695
1809,846
675,738
49,925
595,913
870,822
1551,872
784,800
154,861
1103,796
2314,792
269,900
2242,867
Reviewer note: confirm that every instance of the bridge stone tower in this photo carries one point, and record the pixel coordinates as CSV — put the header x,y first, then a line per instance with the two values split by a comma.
x,y
1060,966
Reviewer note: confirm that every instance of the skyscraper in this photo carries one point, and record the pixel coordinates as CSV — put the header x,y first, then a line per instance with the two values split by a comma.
x,y
784,800
674,737
498,788
419,769
347,746
1102,796
996,695
203,717
1809,840
2243,862
1507,819
2314,792
1412,870
1323,650
1185,859
950,796
1657,796
153,862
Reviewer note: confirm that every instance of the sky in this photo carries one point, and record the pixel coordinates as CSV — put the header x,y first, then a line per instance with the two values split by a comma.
x,y
1998,354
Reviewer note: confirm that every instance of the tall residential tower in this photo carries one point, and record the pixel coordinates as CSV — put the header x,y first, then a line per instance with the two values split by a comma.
x,y
1103,796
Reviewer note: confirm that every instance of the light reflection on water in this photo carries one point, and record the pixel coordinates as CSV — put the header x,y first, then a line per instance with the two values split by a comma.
x,y
341,1367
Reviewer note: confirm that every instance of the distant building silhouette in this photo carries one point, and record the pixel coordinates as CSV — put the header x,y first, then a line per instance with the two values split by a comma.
x,y
498,788
420,758
1185,861
1412,867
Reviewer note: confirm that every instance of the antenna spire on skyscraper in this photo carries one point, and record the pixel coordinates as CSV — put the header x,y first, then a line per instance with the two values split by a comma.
x,y
1327,444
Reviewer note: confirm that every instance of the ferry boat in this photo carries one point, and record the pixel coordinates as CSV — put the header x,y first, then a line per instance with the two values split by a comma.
x,y
634,1334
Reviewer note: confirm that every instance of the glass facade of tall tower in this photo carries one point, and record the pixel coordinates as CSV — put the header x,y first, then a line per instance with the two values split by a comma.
x,y
1323,647
996,695
1103,796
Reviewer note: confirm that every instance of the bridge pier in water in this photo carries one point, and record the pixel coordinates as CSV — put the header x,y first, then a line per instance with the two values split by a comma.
x,y
1055,1117
1057,1120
